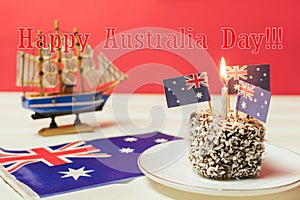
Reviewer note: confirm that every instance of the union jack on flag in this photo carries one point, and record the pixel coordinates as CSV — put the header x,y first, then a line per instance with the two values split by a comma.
x,y
258,74
49,156
196,80
47,171
237,72
253,101
246,89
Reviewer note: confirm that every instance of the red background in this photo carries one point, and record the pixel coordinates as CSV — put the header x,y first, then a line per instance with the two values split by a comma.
x,y
204,16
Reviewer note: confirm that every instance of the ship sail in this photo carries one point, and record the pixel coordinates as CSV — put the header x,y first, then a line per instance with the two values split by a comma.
x,y
70,67
27,70
106,73
46,53
49,74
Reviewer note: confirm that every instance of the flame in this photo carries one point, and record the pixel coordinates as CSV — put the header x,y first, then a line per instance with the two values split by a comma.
x,y
223,72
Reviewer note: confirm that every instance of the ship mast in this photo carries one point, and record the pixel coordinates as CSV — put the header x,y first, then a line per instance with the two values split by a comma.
x,y
79,58
58,55
40,66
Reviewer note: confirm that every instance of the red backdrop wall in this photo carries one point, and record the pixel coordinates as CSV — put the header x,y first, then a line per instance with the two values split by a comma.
x,y
204,16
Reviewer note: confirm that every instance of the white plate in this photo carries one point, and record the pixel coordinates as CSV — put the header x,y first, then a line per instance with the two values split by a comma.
x,y
168,164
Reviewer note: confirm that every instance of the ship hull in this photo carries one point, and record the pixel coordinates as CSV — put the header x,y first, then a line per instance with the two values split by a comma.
x,y
57,105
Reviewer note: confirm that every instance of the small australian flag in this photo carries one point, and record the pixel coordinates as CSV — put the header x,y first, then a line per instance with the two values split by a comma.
x,y
186,90
253,101
257,74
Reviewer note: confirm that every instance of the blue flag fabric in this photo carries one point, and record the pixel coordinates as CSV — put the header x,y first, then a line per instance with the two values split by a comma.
x,y
186,90
258,74
253,101
77,165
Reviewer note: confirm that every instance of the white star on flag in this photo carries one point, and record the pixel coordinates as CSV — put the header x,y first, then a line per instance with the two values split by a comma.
x,y
244,105
236,87
76,173
126,150
130,139
199,95
161,140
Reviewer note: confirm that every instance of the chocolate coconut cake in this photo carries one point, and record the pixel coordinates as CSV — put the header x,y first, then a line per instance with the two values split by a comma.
x,y
226,149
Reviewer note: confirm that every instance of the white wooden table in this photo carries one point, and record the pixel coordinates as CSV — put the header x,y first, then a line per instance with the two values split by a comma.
x,y
136,114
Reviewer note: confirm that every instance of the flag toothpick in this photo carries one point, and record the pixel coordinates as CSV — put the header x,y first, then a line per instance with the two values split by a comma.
x,y
210,108
228,103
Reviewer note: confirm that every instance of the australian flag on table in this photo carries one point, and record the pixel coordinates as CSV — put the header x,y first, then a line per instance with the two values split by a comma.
x,y
257,74
184,90
46,171
253,101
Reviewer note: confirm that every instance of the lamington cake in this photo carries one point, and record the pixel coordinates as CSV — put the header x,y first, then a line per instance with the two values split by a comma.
x,y
232,148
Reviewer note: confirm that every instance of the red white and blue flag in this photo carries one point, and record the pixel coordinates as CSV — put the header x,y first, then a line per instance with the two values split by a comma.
x,y
77,165
184,90
258,74
49,156
253,101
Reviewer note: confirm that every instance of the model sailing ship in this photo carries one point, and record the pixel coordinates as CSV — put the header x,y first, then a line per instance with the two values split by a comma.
x,y
68,83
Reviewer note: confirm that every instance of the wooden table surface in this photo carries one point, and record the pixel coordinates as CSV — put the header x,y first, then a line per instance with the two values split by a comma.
x,y
136,114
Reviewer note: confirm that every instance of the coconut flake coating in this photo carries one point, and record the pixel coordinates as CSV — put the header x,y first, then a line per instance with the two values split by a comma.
x,y
235,152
